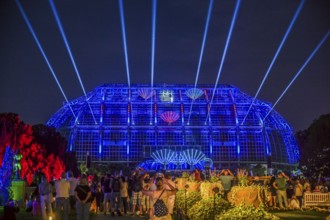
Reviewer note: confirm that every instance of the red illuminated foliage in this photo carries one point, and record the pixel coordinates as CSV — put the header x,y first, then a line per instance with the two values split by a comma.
x,y
35,158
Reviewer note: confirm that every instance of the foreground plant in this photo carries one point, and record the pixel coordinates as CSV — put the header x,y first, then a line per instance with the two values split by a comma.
x,y
249,195
243,211
186,199
206,209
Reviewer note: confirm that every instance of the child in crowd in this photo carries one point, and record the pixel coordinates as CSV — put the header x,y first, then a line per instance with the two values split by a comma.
x,y
294,203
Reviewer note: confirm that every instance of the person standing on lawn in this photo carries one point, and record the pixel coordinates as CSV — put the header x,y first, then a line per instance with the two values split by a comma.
x,y
45,192
280,186
83,199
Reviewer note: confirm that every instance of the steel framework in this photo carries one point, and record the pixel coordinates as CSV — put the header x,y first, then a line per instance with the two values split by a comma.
x,y
130,121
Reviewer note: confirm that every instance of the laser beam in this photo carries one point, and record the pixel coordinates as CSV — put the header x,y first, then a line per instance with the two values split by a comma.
x,y
202,52
59,24
44,55
153,40
275,56
123,30
299,71
224,54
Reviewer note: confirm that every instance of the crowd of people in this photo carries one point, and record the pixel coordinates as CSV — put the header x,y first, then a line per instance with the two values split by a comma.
x,y
287,192
150,195
113,194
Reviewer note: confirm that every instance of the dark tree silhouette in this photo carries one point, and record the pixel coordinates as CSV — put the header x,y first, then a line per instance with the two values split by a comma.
x,y
50,139
56,144
314,146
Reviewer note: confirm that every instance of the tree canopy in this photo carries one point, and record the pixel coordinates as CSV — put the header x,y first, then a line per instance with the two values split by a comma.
x,y
21,138
314,144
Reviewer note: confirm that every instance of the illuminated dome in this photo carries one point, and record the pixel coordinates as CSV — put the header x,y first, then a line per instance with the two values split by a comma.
x,y
118,124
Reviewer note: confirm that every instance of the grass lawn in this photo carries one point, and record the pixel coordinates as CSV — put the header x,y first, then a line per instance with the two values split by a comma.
x,y
298,214
286,215
23,215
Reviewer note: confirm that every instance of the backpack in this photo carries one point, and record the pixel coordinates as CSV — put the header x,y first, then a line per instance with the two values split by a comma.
x,y
106,185
137,187
160,209
116,185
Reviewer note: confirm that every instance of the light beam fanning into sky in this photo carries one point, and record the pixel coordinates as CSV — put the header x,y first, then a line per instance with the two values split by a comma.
x,y
59,24
300,70
153,38
275,57
123,30
224,55
201,54
44,54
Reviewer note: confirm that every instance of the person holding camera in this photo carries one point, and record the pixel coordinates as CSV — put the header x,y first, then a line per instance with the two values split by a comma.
x,y
160,196
226,176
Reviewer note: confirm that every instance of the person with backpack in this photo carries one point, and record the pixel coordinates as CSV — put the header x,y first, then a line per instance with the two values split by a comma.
x,y
160,198
115,196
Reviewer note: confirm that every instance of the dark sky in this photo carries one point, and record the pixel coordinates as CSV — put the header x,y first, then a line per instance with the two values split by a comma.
x,y
93,30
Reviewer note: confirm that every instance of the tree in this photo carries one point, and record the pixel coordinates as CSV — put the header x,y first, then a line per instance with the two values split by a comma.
x,y
56,144
19,136
50,139
314,146
6,175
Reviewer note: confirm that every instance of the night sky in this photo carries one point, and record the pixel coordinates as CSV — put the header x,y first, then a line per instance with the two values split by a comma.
x,y
93,30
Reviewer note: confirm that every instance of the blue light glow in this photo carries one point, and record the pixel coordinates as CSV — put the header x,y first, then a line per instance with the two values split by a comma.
x,y
153,39
222,140
59,24
44,55
202,52
192,156
224,53
164,156
299,71
276,55
238,144
123,30
127,148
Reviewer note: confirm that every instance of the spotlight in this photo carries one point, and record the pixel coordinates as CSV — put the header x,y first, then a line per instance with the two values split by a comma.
x,y
20,7
59,24
123,29
300,70
224,54
202,51
275,57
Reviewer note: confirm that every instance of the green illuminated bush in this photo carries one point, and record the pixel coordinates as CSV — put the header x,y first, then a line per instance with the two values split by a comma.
x,y
191,199
205,210
243,211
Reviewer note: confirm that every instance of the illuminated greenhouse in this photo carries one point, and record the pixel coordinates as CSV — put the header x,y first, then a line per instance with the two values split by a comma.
x,y
177,126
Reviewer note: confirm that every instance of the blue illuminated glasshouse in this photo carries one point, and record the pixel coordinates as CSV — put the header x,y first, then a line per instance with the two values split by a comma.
x,y
176,126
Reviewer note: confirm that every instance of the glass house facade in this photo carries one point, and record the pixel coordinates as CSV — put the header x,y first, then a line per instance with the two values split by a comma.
x,y
120,124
